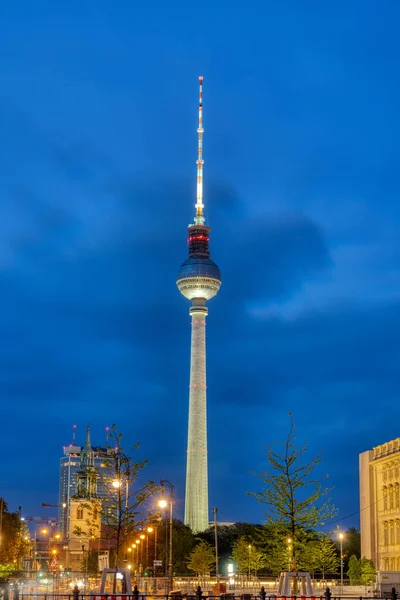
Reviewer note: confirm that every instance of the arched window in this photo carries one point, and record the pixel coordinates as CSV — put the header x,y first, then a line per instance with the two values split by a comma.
x,y
391,497
385,534
398,531
391,533
79,513
385,498
397,496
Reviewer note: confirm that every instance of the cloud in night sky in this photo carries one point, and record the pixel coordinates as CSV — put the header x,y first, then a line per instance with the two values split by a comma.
x,y
97,190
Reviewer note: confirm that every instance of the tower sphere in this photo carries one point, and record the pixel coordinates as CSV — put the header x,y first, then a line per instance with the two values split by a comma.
x,y
198,277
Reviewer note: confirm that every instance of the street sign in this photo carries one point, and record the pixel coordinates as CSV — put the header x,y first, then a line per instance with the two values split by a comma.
x,y
157,563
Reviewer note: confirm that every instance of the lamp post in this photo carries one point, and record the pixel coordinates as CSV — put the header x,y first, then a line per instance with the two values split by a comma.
x,y
289,541
249,547
142,537
149,530
341,536
163,504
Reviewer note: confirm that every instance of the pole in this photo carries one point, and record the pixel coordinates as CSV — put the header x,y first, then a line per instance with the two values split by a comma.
x,y
341,564
65,526
215,510
170,573
155,543
34,564
20,534
1,520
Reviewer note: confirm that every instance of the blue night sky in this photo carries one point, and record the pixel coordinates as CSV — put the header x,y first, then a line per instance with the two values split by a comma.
x,y
98,109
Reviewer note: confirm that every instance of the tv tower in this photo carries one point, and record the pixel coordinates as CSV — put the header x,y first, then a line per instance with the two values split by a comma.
x,y
199,279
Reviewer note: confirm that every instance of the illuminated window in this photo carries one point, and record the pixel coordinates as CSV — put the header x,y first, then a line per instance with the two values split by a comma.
x,y
391,533
385,534
79,513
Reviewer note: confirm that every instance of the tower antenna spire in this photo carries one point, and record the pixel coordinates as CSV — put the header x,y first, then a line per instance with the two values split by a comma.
x,y
199,218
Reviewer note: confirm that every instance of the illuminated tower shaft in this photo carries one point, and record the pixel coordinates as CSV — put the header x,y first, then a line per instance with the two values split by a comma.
x,y
199,279
196,500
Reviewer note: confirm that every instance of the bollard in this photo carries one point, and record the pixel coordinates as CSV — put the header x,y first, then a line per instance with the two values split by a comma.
x,y
75,593
328,594
198,593
393,594
263,593
136,593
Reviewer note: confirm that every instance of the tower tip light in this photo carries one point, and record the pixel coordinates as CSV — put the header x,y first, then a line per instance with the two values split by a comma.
x,y
199,218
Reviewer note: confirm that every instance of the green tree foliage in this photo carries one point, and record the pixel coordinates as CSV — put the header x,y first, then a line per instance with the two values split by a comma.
x,y
123,512
326,559
202,558
247,557
368,571
15,540
354,570
183,542
273,540
351,545
228,535
296,501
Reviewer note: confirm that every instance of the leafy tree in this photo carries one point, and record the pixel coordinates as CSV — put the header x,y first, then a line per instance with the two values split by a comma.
x,y
273,539
294,498
326,558
351,545
228,535
183,542
368,571
202,558
248,558
354,570
15,540
122,512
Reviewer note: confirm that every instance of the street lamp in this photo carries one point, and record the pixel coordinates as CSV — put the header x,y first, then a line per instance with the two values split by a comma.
x,y
163,503
249,547
341,536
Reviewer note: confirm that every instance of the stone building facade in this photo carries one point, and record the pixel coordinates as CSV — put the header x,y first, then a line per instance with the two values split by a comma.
x,y
380,505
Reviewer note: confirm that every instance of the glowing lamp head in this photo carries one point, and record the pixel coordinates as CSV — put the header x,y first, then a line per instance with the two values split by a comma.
x,y
162,503
116,484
